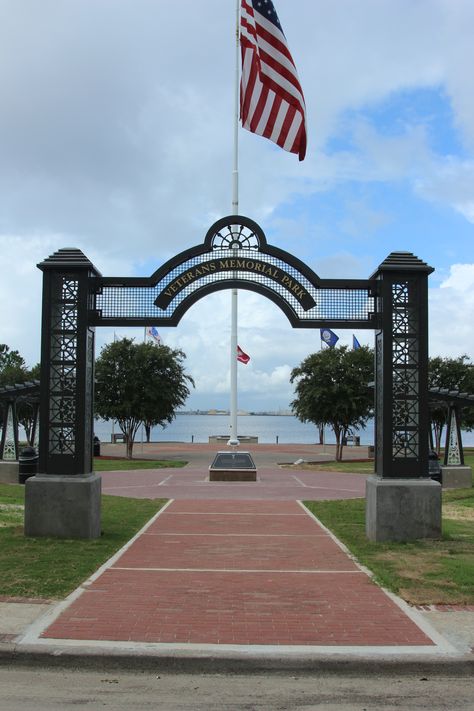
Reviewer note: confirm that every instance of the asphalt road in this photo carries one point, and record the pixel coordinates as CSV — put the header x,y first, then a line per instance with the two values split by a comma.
x,y
35,689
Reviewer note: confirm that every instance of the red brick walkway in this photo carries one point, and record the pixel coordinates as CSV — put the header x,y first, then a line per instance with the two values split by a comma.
x,y
241,572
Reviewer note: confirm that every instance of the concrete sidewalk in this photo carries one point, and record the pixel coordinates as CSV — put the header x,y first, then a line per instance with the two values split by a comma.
x,y
237,573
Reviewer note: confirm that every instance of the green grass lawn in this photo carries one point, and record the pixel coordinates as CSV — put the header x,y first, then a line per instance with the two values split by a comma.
x,y
118,464
363,466
423,572
52,568
469,458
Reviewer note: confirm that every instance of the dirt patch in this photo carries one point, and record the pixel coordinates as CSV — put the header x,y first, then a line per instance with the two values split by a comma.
x,y
412,566
11,515
458,513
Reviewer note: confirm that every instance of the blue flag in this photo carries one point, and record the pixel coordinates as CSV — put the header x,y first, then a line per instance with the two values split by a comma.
x,y
329,337
355,343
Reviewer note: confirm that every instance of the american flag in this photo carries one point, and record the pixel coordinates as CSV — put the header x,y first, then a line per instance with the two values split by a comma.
x,y
271,99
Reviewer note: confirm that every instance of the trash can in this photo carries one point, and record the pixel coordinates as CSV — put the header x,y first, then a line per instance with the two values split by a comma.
x,y
96,447
27,464
434,466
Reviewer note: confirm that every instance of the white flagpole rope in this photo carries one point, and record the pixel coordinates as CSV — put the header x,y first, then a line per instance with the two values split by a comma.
x,y
233,440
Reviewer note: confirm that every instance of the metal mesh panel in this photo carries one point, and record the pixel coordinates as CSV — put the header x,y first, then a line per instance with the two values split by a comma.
x,y
138,302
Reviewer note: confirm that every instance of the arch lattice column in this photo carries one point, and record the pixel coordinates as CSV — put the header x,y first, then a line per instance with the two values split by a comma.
x,y
64,498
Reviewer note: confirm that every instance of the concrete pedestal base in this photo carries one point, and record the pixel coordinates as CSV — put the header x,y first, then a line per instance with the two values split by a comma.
x,y
456,477
402,509
9,472
241,439
232,475
63,506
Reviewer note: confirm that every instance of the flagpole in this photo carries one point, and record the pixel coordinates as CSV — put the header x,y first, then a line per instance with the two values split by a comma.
x,y
144,341
233,440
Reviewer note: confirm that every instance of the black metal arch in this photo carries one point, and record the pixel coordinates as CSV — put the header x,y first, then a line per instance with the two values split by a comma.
x,y
234,232
235,254
197,295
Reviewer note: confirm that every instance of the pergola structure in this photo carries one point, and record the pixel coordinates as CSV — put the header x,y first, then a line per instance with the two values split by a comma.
x,y
10,397
454,469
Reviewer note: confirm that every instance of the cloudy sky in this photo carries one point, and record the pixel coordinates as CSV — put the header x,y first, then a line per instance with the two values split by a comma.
x,y
116,138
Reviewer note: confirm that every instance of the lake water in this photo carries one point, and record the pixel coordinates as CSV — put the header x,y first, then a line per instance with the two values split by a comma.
x,y
288,430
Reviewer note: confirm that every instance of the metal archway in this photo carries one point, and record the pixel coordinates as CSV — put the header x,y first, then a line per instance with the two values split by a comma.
x,y
235,253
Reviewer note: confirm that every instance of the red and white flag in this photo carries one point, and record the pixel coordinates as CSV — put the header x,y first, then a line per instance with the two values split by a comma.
x,y
271,99
241,356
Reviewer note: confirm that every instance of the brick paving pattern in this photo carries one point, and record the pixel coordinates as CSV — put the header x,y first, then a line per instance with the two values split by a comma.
x,y
273,483
236,572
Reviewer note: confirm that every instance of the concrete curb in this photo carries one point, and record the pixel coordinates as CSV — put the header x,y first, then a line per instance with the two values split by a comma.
x,y
246,662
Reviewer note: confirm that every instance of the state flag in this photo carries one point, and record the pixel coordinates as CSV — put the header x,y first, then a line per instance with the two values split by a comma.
x,y
328,337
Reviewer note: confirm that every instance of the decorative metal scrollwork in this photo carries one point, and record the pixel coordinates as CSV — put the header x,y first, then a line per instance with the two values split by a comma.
x,y
9,448
63,374
235,237
454,452
405,365
235,254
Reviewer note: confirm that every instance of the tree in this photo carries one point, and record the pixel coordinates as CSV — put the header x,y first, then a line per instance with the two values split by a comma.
x,y
332,389
12,366
25,407
138,383
13,371
453,374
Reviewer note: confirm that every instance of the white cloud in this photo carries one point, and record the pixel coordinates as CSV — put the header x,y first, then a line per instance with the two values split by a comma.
x,y
21,292
451,181
461,278
111,127
116,137
452,313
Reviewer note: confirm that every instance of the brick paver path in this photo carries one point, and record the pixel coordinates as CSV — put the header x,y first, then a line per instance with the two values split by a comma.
x,y
236,572
273,483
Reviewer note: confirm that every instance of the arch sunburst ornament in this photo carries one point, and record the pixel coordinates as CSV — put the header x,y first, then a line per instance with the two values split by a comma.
x,y
235,236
